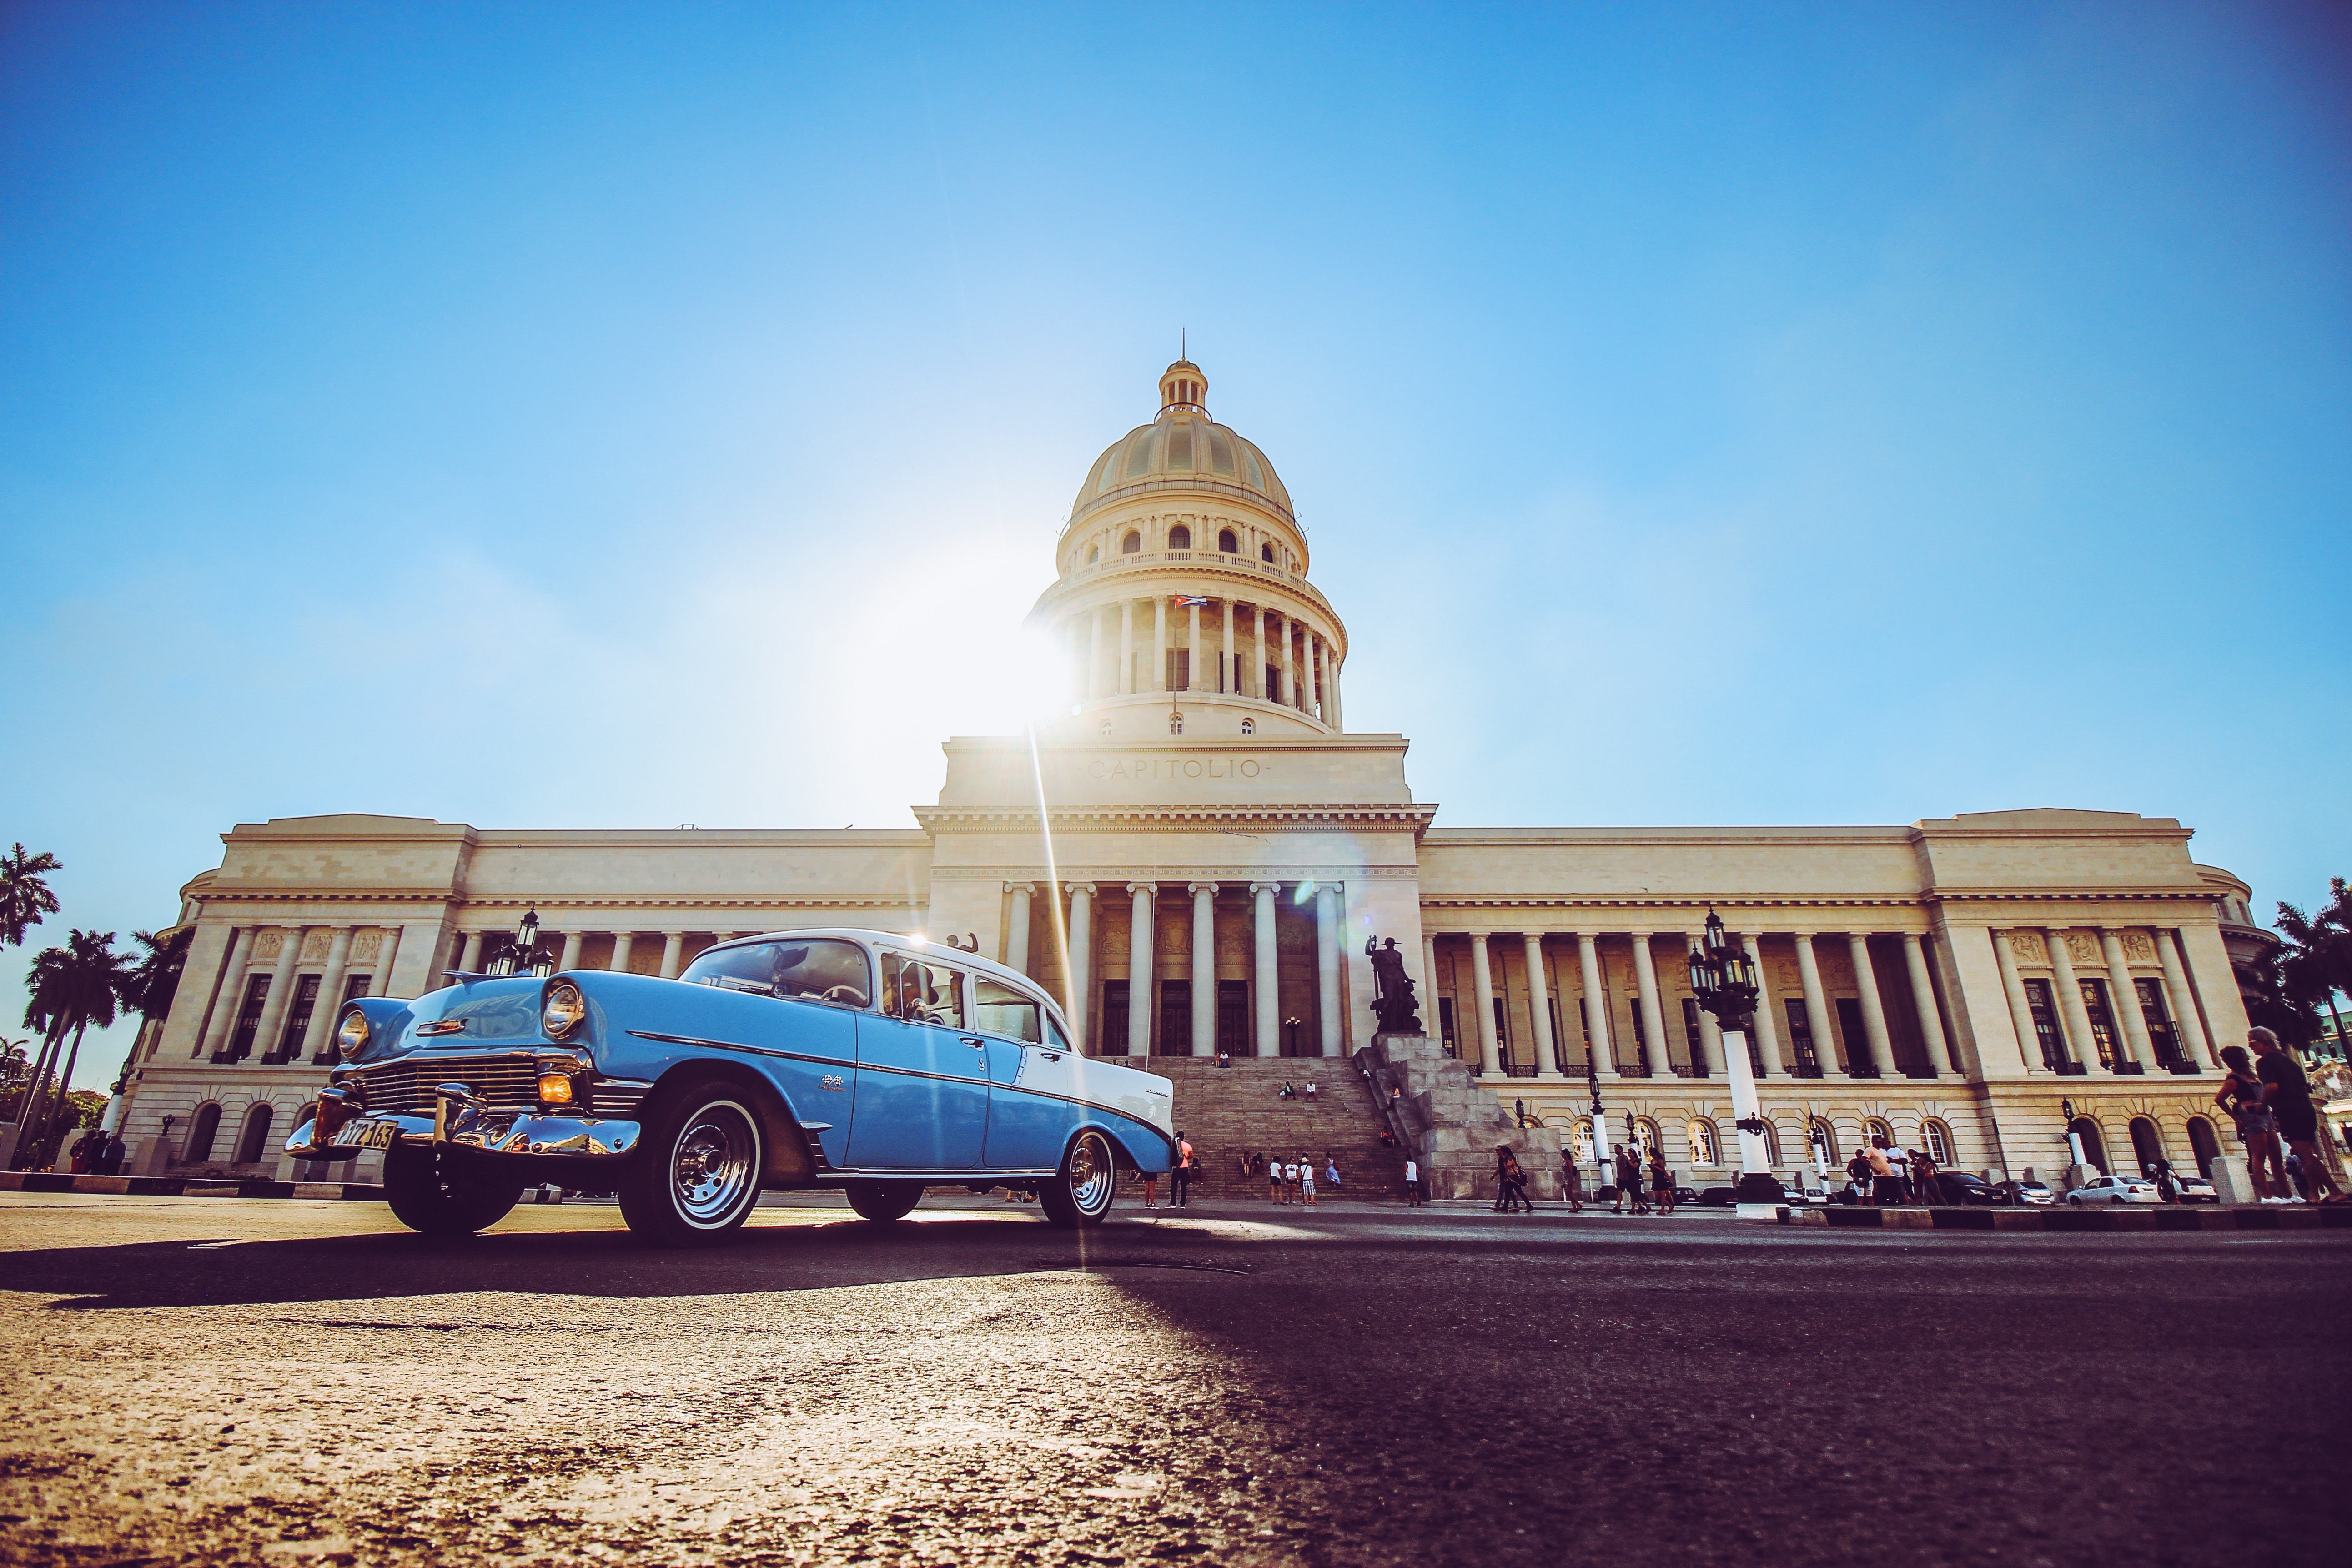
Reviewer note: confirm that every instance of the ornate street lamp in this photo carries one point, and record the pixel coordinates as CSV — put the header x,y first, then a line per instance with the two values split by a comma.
x,y
1600,1123
1724,979
523,955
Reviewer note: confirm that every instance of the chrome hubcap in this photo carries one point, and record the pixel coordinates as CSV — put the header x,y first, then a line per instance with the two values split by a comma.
x,y
715,1164
1091,1173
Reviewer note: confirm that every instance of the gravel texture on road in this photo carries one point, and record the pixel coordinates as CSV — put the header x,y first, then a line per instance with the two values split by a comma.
x,y
295,1382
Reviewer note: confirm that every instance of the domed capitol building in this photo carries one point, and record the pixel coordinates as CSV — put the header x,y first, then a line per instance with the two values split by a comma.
x,y
1197,850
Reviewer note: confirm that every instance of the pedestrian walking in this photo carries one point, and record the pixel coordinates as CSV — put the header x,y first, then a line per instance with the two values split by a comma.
x,y
1923,1185
1628,1171
1662,1183
1857,1176
1571,1181
1331,1170
1412,1183
2286,1093
1151,1189
2241,1096
1180,1181
1305,1182
1510,1182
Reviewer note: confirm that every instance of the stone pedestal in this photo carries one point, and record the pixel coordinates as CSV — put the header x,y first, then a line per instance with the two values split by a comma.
x,y
2233,1183
1450,1124
147,1156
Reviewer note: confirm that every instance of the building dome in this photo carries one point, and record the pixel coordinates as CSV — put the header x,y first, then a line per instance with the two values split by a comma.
x,y
1184,449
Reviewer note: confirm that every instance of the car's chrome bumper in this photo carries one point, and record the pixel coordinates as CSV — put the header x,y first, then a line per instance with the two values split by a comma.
x,y
522,1132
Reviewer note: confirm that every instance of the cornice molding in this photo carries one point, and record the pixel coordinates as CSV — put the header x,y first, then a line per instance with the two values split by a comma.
x,y
1180,818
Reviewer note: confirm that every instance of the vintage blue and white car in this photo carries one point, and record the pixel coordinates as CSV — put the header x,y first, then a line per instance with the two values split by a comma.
x,y
875,1063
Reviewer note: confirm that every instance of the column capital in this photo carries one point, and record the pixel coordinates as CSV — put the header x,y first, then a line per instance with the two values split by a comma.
x,y
1258,887
1197,889
1139,888
1021,887
1079,890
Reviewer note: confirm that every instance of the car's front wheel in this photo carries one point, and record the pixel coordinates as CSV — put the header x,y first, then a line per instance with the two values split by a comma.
x,y
885,1201
696,1173
1079,1193
437,1195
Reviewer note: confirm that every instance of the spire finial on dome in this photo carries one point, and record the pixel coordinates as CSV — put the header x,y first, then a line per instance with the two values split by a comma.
x,y
1182,385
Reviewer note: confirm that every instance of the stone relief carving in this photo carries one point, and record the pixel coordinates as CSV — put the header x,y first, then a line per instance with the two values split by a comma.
x,y
2138,948
2082,947
315,944
367,947
268,944
2026,946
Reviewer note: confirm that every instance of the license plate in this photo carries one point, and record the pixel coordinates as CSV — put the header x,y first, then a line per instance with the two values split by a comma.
x,y
366,1135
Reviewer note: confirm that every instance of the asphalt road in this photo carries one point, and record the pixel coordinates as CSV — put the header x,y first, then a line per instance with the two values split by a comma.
x,y
288,1383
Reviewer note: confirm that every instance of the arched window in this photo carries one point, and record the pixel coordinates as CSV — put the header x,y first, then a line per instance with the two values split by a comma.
x,y
1249,726
1824,1138
1645,1137
1180,538
1094,553
2147,1144
1265,553
2095,1148
1175,724
1705,1149
1581,1140
206,1128
2203,1144
254,1141
1132,544
1877,1127
1938,1139
1106,726
1227,545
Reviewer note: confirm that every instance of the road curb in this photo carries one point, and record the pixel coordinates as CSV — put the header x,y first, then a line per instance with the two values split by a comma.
x,y
2075,1220
179,1187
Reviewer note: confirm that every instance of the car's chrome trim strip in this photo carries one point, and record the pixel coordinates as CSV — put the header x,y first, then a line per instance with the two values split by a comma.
x,y
910,1072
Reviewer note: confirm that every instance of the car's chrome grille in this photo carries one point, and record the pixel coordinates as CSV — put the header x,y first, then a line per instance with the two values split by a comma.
x,y
406,1088
616,1098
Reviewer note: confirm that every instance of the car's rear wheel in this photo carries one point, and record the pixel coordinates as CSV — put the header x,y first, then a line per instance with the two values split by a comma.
x,y
695,1174
1079,1193
884,1203
440,1195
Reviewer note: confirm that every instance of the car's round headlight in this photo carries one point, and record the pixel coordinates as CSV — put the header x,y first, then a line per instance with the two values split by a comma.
x,y
351,1034
563,1009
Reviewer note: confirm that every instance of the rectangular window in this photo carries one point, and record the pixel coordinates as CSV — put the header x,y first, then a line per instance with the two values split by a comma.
x,y
1232,1017
1559,1040
1114,1019
2046,1035
1000,1010
1800,1040
1641,1041
1175,1017
1180,669
2159,1023
1694,1037
356,986
248,1017
1502,1027
298,1017
921,991
1857,1048
2103,1022
1445,1028
1272,689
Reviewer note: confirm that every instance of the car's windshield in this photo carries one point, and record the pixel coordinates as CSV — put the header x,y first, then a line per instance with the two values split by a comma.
x,y
819,968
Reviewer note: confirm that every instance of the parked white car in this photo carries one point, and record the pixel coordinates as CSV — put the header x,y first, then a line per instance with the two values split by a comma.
x,y
2116,1190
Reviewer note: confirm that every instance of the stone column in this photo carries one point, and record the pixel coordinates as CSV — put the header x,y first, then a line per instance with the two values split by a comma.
x,y
1430,1023
1204,965
231,996
1257,658
2020,1011
281,991
1314,703
2195,1044
1076,998
1768,1027
2123,1001
468,959
1645,984
1016,927
1481,981
1126,684
1229,676
1923,1000
1596,1004
384,961
673,954
571,959
1289,683
1094,653
1159,644
1818,1016
1331,694
1539,1008
1266,984
1142,970
1332,1021
622,941
1192,679
1873,1011
2082,1046
330,995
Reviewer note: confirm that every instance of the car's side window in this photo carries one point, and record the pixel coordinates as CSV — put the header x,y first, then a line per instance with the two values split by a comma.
x,y
1053,1035
822,970
1000,1010
750,968
922,992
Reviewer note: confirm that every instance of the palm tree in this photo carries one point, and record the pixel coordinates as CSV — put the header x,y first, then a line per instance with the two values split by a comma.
x,y
15,1072
2318,963
24,895
73,987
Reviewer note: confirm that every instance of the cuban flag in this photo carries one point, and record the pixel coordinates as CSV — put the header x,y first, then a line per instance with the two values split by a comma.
x,y
1192,601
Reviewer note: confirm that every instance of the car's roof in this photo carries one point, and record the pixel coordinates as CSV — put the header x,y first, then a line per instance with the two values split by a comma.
x,y
906,944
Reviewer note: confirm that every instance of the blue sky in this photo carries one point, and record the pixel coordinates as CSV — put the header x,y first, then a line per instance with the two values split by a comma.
x,y
568,417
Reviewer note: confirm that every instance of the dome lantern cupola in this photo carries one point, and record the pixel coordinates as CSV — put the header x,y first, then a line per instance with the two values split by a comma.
x,y
1182,385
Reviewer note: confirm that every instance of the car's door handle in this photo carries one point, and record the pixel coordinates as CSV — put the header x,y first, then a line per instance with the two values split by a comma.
x,y
970,1041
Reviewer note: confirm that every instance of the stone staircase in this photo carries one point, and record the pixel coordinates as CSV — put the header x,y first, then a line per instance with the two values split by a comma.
x,y
1230,1112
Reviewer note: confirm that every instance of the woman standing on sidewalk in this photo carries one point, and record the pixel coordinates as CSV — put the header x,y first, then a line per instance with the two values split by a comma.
x,y
1662,1182
2241,1096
